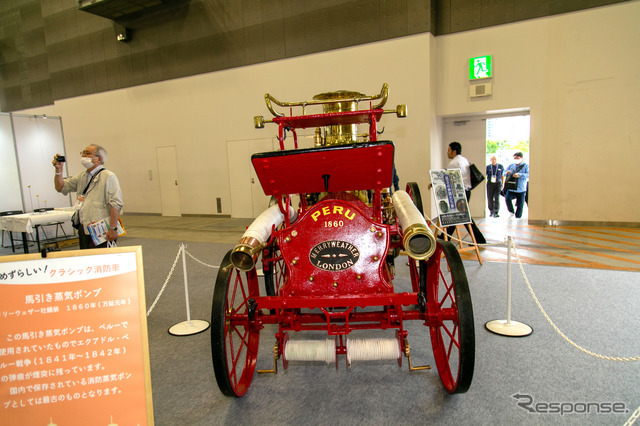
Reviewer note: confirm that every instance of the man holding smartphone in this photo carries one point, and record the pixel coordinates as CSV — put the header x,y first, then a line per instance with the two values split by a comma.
x,y
99,194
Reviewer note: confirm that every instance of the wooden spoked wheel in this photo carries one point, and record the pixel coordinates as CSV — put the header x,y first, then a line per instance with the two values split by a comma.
x,y
450,316
234,331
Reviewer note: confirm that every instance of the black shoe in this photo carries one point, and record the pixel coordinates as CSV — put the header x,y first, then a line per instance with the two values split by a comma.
x,y
496,215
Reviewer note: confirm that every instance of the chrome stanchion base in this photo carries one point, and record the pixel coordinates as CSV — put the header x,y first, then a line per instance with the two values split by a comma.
x,y
187,328
509,328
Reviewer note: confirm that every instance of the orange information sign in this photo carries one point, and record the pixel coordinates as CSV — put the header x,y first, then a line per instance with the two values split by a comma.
x,y
73,339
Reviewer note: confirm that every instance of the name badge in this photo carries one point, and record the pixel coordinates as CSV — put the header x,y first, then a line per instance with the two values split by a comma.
x,y
79,202
493,179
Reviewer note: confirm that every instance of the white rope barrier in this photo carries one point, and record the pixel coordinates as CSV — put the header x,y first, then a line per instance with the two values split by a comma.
x,y
567,339
200,261
173,267
544,313
633,418
175,262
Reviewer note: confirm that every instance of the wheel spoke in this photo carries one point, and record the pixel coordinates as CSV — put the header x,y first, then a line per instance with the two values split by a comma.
x,y
452,340
274,270
448,293
241,348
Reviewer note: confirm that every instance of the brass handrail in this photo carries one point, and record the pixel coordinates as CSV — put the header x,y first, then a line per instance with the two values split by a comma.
x,y
383,95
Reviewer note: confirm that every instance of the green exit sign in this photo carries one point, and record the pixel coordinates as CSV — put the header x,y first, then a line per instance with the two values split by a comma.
x,y
480,67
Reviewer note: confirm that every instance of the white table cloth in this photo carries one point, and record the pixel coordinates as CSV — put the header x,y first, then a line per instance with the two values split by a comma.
x,y
25,222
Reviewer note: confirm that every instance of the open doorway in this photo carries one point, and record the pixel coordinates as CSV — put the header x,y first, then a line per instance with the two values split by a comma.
x,y
504,137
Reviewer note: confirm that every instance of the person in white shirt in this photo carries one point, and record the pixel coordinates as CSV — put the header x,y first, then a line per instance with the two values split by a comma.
x,y
99,194
454,152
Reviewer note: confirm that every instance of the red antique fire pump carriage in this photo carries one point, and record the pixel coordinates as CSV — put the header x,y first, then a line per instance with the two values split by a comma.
x,y
328,246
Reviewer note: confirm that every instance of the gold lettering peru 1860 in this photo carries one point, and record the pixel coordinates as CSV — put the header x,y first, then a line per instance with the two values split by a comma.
x,y
327,210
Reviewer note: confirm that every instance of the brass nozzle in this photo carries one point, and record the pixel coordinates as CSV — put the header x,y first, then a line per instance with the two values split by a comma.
x,y
419,242
245,253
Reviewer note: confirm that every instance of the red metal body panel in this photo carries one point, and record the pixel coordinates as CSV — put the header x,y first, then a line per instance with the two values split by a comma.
x,y
361,166
335,249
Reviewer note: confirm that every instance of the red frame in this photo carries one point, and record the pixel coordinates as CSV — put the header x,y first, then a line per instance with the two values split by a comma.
x,y
358,166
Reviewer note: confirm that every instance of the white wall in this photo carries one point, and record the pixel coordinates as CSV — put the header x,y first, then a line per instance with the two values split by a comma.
x,y
200,114
578,73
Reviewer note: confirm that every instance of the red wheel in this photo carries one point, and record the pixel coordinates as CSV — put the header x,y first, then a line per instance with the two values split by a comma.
x,y
234,332
414,192
414,266
450,315
274,269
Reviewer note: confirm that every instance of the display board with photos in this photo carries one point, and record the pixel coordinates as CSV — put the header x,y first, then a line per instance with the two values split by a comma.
x,y
450,198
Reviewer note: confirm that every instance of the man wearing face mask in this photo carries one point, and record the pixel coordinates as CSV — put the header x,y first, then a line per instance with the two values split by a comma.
x,y
99,194
519,170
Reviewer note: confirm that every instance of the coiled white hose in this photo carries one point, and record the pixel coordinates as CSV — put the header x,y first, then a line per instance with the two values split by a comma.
x,y
372,349
310,350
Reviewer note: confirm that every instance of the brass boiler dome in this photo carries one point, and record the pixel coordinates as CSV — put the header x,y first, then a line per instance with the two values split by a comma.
x,y
340,101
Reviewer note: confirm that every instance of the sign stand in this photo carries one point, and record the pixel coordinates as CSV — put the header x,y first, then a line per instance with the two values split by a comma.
x,y
188,327
473,246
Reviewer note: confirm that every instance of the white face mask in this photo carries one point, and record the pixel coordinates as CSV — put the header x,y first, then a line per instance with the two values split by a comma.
x,y
518,160
86,162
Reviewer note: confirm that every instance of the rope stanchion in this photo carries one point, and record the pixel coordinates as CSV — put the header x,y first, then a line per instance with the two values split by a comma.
x,y
188,327
508,327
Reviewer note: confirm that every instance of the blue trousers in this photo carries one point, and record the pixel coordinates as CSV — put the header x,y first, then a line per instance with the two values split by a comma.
x,y
519,196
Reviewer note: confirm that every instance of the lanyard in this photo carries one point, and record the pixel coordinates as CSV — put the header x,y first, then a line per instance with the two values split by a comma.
x,y
90,180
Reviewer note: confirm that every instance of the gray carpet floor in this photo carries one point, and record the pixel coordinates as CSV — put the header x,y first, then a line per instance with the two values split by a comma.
x,y
597,309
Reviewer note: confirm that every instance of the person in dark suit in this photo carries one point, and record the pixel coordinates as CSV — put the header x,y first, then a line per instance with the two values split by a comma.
x,y
494,174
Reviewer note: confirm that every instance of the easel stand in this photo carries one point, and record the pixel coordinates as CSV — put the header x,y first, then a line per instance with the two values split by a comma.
x,y
187,327
508,327
473,246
